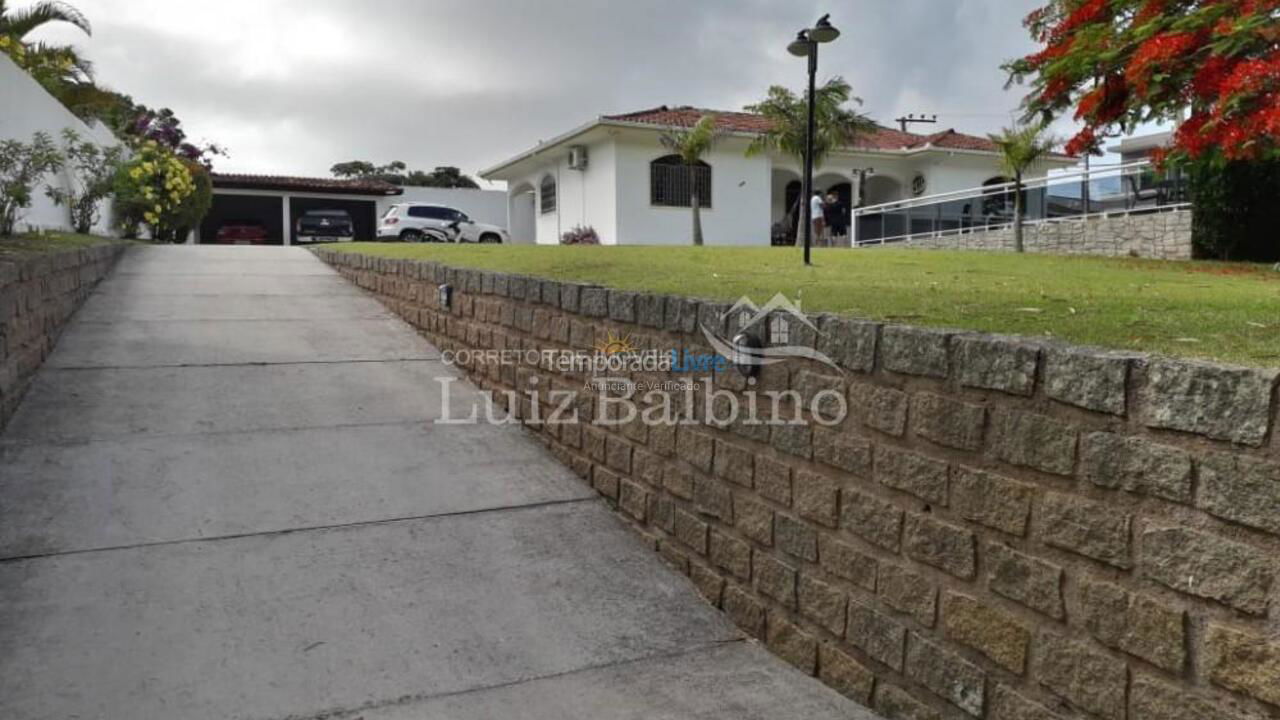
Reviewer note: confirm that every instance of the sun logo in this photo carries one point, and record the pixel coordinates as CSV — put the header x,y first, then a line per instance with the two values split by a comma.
x,y
615,344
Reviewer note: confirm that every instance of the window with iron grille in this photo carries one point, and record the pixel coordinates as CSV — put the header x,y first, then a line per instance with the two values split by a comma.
x,y
672,183
547,195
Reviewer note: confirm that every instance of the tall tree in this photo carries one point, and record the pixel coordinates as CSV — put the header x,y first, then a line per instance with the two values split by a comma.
x,y
397,173
1211,65
1021,147
835,125
691,144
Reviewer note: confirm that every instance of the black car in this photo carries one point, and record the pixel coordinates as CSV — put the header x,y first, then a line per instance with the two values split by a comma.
x,y
324,226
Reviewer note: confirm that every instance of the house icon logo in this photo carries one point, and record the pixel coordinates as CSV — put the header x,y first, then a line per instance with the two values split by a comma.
x,y
773,328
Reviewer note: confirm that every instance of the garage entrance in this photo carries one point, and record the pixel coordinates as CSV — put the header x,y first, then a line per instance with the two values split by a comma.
x,y
262,210
274,203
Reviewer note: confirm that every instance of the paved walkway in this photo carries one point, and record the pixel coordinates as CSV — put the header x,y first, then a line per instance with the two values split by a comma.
x,y
223,498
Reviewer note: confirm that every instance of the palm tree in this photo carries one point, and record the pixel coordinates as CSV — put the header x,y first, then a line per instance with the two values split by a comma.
x,y
835,125
691,144
1021,147
17,24
59,68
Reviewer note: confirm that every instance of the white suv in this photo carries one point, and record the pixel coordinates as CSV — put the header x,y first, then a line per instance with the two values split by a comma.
x,y
410,221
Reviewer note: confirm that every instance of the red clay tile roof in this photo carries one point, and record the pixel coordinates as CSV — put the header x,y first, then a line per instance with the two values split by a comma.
x,y
304,184
882,139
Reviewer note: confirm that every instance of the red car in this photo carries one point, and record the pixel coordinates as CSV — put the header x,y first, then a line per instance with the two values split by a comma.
x,y
242,232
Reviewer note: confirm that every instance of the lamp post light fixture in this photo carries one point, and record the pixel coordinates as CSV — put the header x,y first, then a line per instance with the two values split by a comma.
x,y
806,45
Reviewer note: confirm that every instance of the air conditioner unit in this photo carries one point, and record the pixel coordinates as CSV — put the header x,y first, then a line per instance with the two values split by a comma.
x,y
578,157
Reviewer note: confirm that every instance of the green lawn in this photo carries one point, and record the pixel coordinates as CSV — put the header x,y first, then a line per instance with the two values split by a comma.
x,y
1223,311
23,246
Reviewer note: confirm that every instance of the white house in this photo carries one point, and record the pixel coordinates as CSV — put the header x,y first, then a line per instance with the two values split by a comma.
x,y
614,175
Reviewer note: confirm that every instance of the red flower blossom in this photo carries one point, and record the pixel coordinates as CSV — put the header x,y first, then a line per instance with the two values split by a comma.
x,y
1084,141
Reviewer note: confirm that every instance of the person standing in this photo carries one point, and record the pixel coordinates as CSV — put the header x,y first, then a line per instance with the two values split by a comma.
x,y
837,226
817,211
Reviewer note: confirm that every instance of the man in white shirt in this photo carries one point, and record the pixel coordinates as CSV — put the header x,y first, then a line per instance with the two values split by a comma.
x,y
816,206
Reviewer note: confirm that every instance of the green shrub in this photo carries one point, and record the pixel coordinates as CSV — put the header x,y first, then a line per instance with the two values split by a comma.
x,y
91,173
21,167
1236,210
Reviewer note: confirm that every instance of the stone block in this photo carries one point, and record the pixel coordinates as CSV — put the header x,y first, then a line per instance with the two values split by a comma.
x,y
823,603
817,498
569,294
1086,528
1033,440
1208,566
622,306
1152,699
841,450
996,363
593,301
1136,624
992,632
894,703
850,343
712,497
948,422
1087,378
617,454
948,675
912,473
1030,581
678,482
775,579
650,309
845,561
695,447
1086,678
792,644
795,537
942,545
882,639
1136,465
872,519
633,499
773,480
744,610
1245,663
793,439
991,500
823,391
1006,704
754,519
734,463
1241,489
690,530
1225,403
884,409
730,554
846,675
908,592
707,581
914,350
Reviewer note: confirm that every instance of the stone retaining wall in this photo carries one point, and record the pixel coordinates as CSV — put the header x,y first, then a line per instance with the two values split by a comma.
x,y
1001,528
38,294
1160,235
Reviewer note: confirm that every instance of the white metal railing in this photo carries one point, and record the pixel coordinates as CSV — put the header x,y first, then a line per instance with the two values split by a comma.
x,y
1123,188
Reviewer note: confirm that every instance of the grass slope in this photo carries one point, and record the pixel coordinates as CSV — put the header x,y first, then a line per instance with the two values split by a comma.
x,y
1222,311
20,247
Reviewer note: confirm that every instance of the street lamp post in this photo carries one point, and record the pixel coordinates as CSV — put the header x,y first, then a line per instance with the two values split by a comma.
x,y
806,45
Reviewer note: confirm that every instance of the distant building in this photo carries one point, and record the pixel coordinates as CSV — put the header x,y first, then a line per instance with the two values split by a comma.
x,y
613,174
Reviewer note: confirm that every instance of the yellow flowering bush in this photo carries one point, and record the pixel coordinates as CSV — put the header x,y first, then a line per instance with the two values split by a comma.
x,y
153,188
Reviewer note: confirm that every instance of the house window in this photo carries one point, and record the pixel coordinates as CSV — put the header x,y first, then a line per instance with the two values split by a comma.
x,y
779,330
672,183
547,195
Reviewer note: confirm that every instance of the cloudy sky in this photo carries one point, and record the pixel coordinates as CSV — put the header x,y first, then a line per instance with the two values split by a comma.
x,y
293,86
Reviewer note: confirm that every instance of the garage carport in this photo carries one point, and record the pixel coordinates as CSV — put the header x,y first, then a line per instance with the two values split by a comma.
x,y
276,203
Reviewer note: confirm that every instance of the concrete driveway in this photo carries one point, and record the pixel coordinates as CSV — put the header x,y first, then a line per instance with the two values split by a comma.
x,y
224,497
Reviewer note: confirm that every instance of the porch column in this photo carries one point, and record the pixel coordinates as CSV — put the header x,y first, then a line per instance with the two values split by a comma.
x,y
286,226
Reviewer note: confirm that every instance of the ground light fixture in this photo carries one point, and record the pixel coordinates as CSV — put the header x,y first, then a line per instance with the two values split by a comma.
x,y
806,45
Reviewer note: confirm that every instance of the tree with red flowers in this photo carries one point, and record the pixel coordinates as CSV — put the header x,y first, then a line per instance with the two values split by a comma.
x,y
1213,66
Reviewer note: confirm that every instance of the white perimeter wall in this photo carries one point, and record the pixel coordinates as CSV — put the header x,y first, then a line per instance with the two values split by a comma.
x,y
485,206
740,197
25,108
